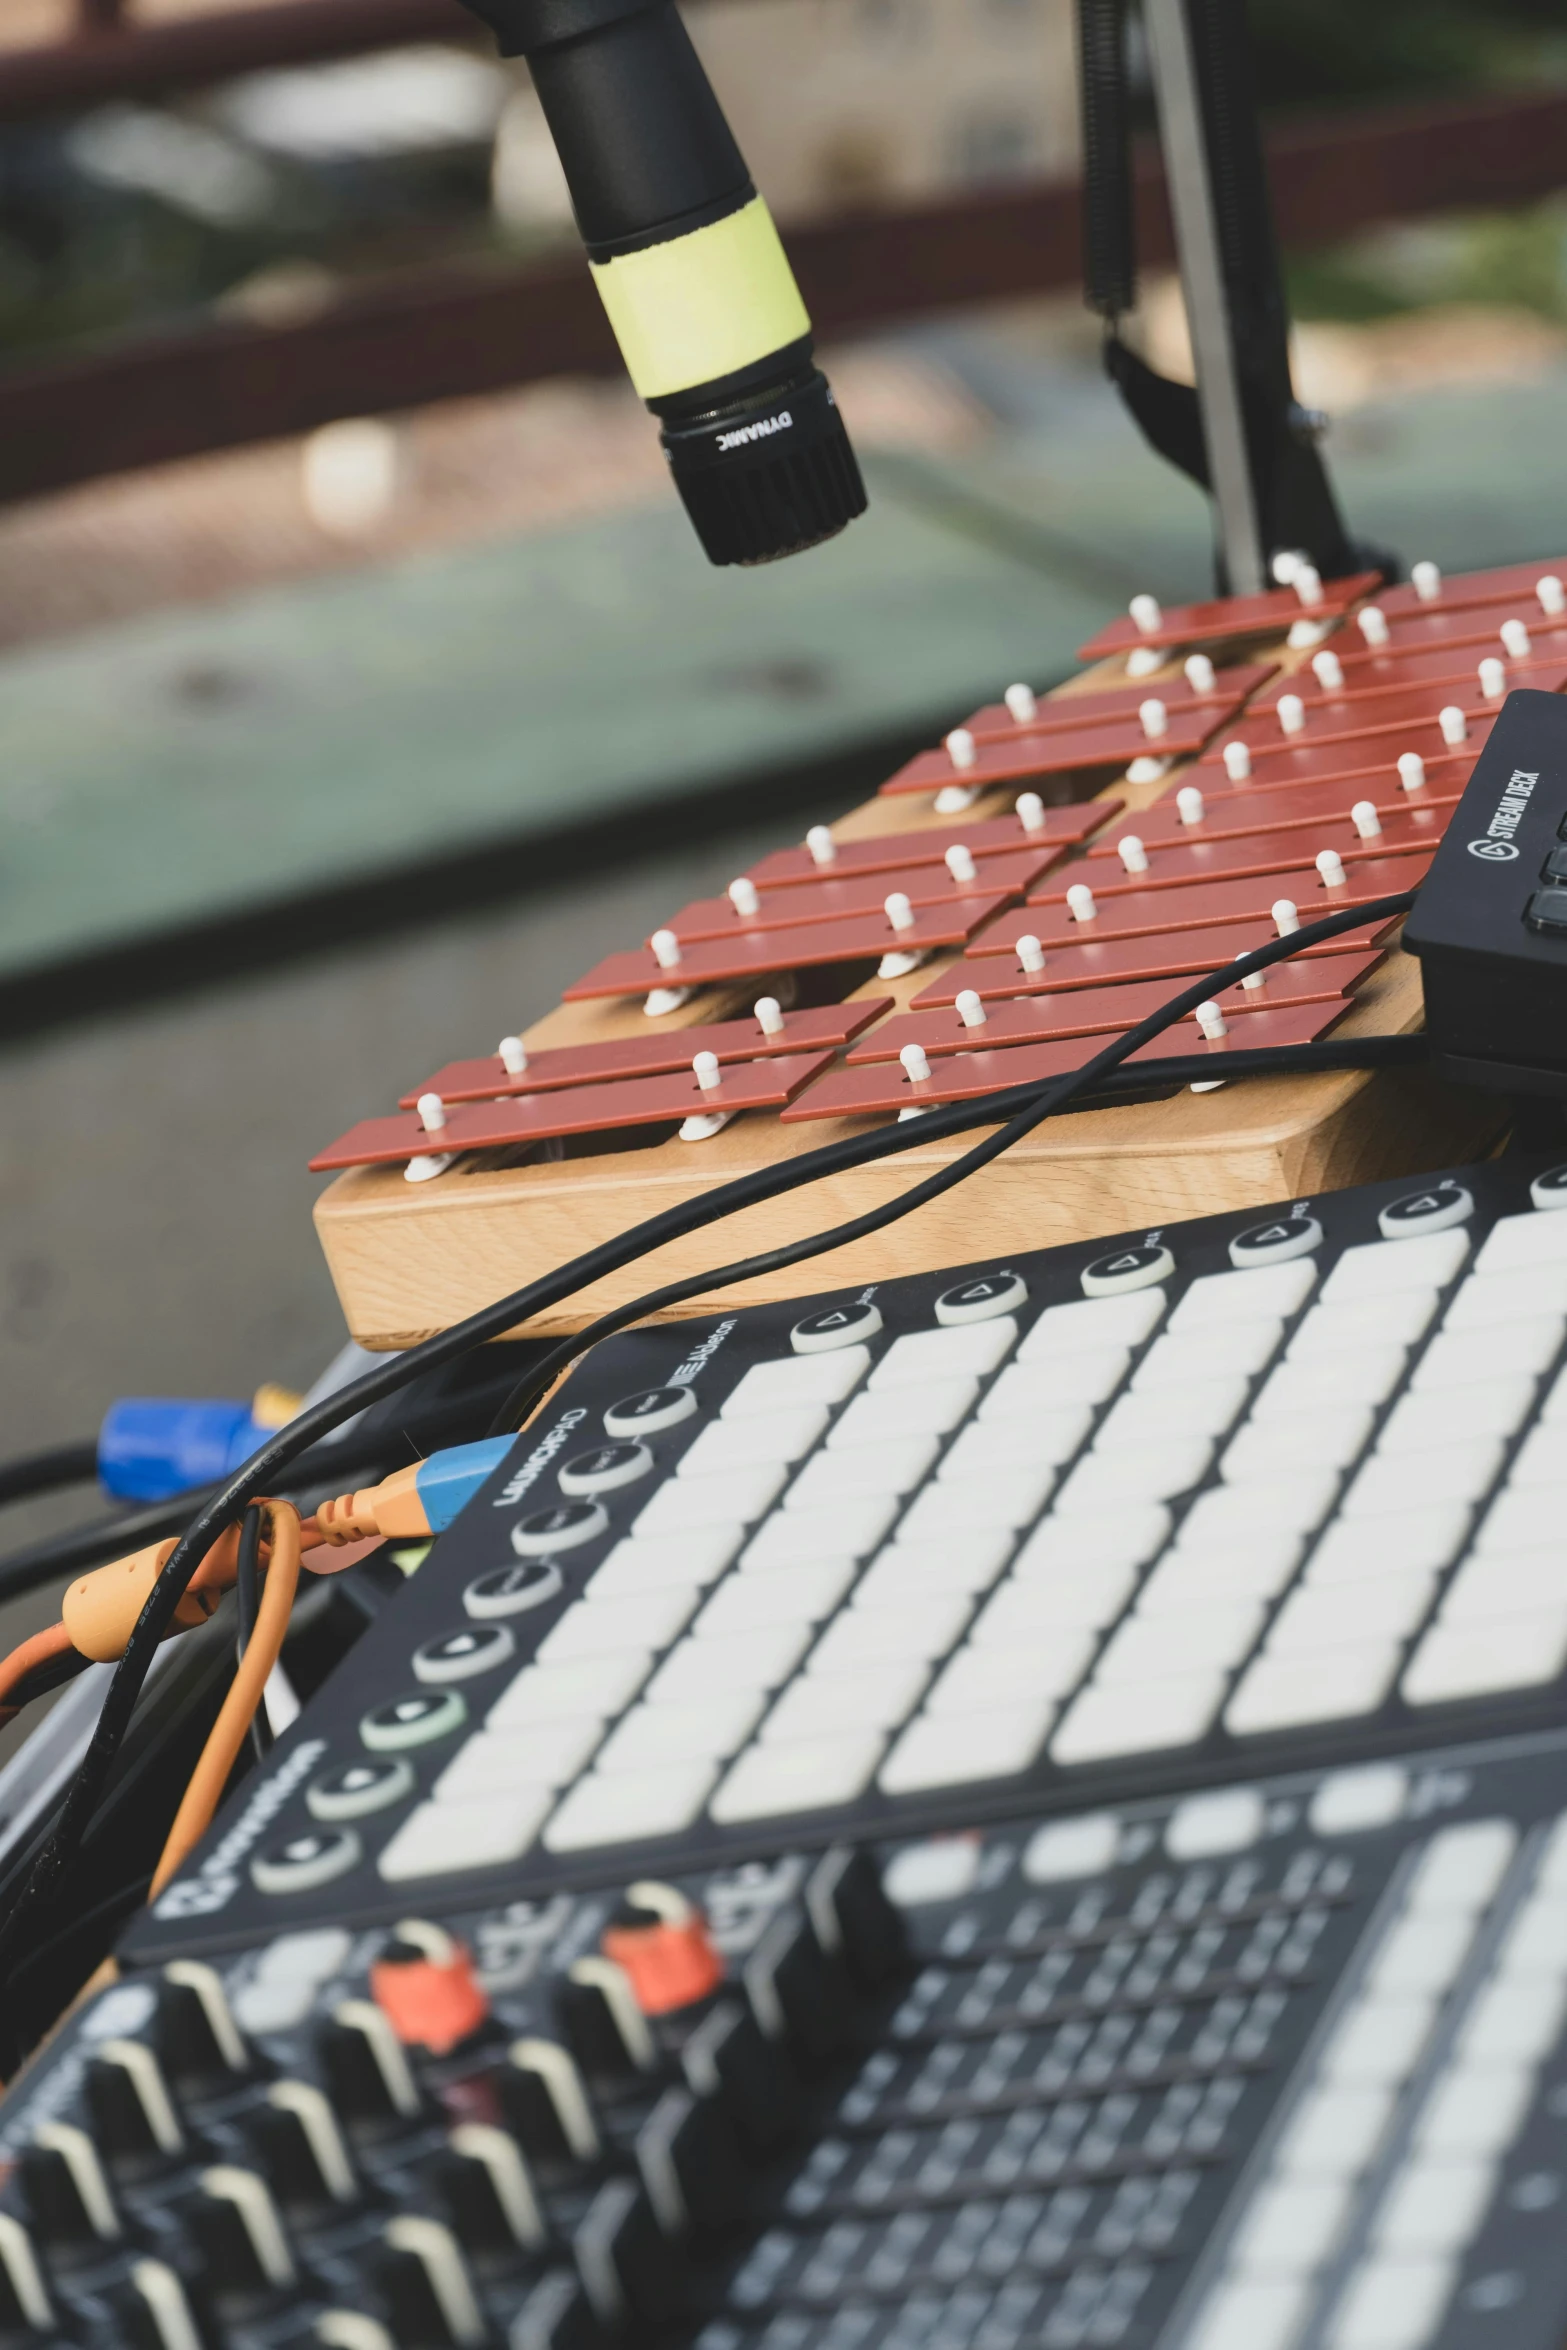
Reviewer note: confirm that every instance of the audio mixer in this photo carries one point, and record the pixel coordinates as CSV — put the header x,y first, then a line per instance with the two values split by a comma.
x,y
1021,1805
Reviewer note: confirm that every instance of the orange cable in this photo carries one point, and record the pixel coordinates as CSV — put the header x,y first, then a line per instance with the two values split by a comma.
x,y
228,1732
53,1641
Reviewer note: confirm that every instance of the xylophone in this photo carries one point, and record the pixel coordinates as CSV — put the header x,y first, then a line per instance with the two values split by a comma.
x,y
1219,772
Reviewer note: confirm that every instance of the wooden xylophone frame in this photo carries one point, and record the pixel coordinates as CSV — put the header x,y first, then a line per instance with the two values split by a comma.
x,y
408,1260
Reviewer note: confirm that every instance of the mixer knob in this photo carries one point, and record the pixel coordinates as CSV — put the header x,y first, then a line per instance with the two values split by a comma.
x,y
600,2016
691,2165
429,2292
365,2063
853,1919
239,2234
484,2183
197,2036
131,2105
425,1984
728,2061
351,2329
800,1994
302,2148
557,2315
156,2311
67,2188
661,1941
25,2307
546,2104
631,2271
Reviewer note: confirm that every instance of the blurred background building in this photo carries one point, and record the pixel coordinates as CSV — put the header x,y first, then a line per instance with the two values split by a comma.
x,y
359,680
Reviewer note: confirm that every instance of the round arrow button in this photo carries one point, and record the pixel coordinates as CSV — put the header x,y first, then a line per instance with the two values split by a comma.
x,y
1136,1267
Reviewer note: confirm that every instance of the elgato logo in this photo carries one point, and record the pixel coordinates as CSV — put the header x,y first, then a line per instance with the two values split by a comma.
x,y
1498,847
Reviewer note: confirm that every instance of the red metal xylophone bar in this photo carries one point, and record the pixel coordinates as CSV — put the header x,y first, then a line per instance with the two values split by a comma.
x,y
1222,618
990,836
654,1054
957,1077
1197,812
1106,962
1027,713
578,1109
1117,743
1091,1011
746,908
757,954
1171,863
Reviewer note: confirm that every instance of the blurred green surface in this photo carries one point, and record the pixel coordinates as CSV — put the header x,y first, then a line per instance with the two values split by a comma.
x,y
204,762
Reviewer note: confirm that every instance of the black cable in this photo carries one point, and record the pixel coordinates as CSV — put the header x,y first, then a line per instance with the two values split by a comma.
x,y
46,1472
1353,1052
247,1603
1021,1106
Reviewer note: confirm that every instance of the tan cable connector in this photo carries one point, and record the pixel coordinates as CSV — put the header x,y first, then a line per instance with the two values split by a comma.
x,y
100,1610
392,1508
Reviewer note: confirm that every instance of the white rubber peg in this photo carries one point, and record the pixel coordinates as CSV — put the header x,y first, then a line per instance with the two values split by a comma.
x,y
1147,769
1331,867
1212,1022
1493,678
1286,563
1454,725
432,1113
1411,771
916,1066
1030,954
953,798
705,1069
1255,979
823,848
1307,584
898,910
959,862
1426,580
514,1055
1022,705
1371,621
1143,660
1155,718
1286,917
1551,594
1201,675
1190,805
1145,613
1328,670
1030,809
769,1015
971,1009
1132,853
666,950
661,1001
1515,640
745,897
1292,713
1080,902
962,749
1237,761
1363,815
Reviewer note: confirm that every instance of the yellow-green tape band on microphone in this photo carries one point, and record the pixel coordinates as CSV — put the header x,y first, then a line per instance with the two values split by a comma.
x,y
701,306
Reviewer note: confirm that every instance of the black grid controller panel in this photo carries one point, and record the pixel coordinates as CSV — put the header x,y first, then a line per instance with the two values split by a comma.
x,y
1276,2065
1276,1485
